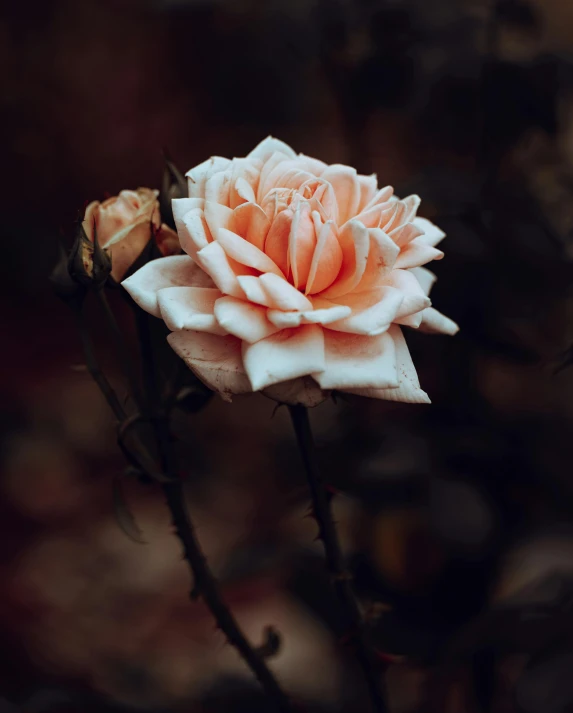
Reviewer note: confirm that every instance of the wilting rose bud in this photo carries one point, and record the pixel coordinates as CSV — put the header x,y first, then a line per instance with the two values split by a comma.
x,y
125,224
64,285
89,264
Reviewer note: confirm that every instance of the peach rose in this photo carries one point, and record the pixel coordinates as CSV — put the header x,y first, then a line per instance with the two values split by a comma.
x,y
123,225
297,279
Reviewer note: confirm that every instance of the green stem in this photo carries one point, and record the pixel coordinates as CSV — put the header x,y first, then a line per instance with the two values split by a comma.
x,y
121,348
341,578
204,583
94,369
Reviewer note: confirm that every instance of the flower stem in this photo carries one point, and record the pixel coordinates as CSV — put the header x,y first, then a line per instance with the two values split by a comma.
x,y
204,583
94,369
341,578
120,345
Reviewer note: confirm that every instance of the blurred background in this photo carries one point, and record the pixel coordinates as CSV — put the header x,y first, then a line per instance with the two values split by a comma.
x,y
457,518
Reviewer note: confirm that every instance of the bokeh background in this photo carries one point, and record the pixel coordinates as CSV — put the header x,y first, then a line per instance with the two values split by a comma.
x,y
457,518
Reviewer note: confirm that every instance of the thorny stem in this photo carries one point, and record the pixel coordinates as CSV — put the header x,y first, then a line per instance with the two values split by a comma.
x,y
334,558
204,583
94,369
125,361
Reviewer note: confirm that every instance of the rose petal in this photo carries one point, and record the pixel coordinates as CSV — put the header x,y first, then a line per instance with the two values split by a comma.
x,y
373,319
382,196
405,234
246,253
313,165
250,222
381,259
377,216
218,187
414,297
368,187
416,254
197,177
182,206
286,355
245,320
253,289
436,322
268,146
276,243
327,258
215,360
409,390
217,216
432,234
189,308
245,180
303,391
347,189
194,233
125,252
324,312
302,243
282,294
355,244
176,270
278,157
213,260
426,278
358,362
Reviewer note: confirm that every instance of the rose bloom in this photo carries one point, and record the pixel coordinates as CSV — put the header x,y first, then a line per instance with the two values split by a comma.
x,y
123,226
297,279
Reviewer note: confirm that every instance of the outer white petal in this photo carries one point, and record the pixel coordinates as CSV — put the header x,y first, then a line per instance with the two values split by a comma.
x,y
374,319
253,289
214,262
409,390
432,234
245,320
189,308
425,277
417,253
282,294
354,361
215,360
193,232
182,206
286,355
172,271
324,312
436,322
197,177
268,146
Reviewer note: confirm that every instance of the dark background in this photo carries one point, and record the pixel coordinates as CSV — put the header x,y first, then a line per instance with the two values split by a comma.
x,y
456,517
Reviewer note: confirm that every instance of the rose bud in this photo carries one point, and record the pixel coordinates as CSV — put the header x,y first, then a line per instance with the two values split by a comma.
x,y
125,224
89,264
64,285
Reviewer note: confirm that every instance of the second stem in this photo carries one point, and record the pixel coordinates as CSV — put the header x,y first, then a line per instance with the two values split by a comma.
x,y
341,578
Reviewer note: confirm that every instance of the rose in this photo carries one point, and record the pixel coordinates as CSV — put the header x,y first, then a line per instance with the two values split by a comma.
x,y
297,279
124,225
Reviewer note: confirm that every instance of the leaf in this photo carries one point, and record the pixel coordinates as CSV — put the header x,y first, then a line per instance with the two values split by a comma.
x,y
123,514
